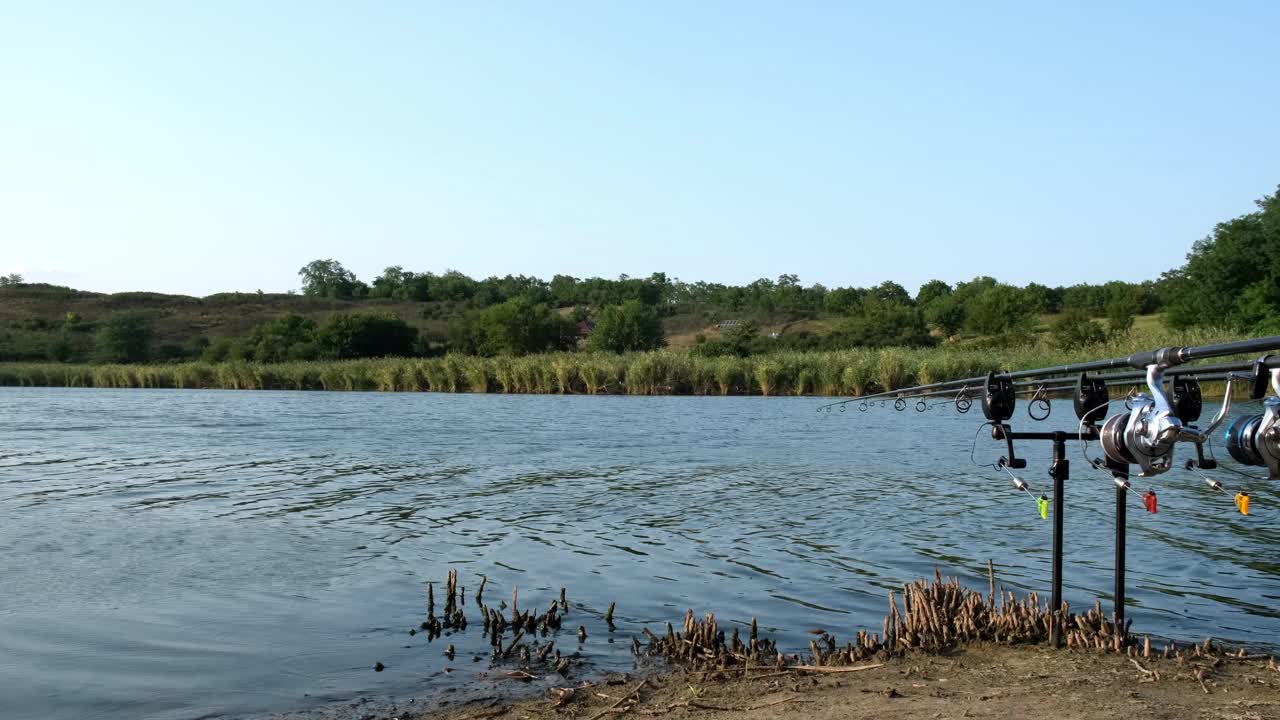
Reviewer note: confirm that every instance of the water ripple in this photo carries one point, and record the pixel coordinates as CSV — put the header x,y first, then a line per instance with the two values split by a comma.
x,y
226,553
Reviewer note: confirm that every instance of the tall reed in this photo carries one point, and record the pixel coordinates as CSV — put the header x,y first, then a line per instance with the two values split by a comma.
x,y
844,372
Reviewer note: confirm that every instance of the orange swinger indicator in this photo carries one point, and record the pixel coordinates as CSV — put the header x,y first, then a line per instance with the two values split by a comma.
x,y
1242,502
1149,500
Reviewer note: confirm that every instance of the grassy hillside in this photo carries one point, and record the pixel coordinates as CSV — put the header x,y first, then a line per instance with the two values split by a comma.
x,y
178,318
31,314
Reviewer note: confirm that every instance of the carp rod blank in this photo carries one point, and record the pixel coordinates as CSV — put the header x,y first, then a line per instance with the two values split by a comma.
x,y
1170,357
1057,385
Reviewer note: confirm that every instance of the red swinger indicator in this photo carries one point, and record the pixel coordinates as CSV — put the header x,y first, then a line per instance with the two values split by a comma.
x,y
1149,499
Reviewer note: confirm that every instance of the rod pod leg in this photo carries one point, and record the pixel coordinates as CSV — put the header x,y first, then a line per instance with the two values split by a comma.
x,y
1059,470
1122,471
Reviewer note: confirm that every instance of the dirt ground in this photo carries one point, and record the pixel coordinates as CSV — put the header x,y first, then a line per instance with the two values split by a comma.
x,y
982,681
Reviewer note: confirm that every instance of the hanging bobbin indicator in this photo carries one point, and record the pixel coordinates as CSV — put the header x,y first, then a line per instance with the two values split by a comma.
x,y
1042,504
1149,501
1242,502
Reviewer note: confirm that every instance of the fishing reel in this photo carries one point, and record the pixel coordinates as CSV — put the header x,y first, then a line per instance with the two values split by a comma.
x,y
1145,436
1255,439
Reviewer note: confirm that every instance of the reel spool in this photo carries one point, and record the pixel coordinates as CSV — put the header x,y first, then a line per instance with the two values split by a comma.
x,y
1146,435
1255,439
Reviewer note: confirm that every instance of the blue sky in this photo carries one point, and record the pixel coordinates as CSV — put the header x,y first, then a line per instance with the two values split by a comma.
x,y
196,148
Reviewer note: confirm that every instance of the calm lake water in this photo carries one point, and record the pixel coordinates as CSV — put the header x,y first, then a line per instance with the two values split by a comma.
x,y
183,554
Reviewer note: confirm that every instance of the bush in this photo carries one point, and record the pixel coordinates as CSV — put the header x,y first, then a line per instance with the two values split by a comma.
x,y
361,335
516,327
1074,329
627,327
882,324
125,338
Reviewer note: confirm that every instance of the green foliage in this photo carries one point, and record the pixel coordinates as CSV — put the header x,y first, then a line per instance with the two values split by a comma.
x,y
1074,329
125,338
224,349
843,372
997,308
739,340
400,284
364,335
10,280
288,337
1121,309
627,327
882,323
932,290
1232,277
328,278
515,327
946,314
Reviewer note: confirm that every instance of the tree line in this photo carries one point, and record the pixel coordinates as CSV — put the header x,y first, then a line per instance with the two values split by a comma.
x,y
1231,280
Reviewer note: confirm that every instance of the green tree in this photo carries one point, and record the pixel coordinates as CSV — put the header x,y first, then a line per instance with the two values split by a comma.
x,y
946,314
881,324
10,280
997,309
932,290
629,326
1039,297
1073,329
1121,309
1232,277
288,337
890,291
223,349
124,338
843,301
358,335
327,278
394,282
515,327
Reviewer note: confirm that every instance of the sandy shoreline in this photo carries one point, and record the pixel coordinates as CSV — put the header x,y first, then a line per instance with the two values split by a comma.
x,y
982,680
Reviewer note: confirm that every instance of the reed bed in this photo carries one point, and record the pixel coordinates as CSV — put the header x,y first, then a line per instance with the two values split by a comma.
x,y
663,372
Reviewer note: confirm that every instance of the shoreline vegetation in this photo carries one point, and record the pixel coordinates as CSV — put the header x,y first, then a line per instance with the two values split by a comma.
x,y
662,372
941,645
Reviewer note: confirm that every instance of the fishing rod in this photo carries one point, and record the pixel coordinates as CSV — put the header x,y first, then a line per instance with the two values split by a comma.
x,y
976,382
1155,422
1042,391
1155,419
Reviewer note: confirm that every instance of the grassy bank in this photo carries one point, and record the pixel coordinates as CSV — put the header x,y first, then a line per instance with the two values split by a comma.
x,y
849,372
